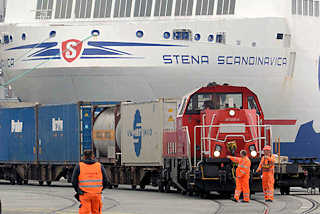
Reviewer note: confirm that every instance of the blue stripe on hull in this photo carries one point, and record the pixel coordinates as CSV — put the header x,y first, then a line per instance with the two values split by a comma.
x,y
307,143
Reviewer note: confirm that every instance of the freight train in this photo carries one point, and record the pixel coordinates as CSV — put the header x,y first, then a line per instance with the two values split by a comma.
x,y
164,142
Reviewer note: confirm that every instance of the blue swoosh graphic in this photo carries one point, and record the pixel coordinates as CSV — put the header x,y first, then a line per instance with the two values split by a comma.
x,y
130,44
100,50
50,52
45,58
96,51
37,45
109,57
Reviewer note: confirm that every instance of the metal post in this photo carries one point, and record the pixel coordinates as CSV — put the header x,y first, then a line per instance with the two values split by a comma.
x,y
276,146
195,146
279,153
0,207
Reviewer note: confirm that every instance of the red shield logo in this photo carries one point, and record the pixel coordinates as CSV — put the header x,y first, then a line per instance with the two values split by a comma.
x,y
71,49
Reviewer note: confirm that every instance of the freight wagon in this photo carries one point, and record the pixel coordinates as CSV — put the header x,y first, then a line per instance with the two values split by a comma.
x,y
44,143
159,143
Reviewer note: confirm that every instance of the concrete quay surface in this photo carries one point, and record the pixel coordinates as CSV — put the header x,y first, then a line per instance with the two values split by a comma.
x,y
58,199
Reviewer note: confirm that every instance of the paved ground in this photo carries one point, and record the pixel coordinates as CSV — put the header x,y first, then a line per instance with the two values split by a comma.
x,y
58,199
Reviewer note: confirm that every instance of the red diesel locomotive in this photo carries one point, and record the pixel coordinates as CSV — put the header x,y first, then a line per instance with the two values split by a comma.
x,y
213,122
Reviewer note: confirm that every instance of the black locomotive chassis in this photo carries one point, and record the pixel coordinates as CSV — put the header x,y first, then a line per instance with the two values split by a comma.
x,y
219,175
209,175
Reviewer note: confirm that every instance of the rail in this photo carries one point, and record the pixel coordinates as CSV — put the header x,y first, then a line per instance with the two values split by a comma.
x,y
255,136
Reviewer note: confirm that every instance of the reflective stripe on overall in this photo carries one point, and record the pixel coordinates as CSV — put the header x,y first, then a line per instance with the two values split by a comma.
x,y
90,178
268,177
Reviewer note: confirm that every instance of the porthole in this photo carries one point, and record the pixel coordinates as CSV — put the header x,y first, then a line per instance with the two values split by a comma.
x,y
210,38
23,36
53,34
166,35
139,34
95,32
197,37
6,39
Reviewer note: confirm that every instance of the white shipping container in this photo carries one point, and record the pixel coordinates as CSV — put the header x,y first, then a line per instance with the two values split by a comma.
x,y
142,131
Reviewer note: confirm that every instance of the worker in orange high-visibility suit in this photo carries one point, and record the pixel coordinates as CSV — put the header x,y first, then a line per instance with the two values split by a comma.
x,y
242,176
89,179
267,166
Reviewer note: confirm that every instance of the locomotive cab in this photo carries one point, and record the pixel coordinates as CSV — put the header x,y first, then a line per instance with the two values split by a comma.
x,y
222,120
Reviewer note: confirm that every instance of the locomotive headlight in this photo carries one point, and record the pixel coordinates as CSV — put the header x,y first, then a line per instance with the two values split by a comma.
x,y
232,113
253,153
216,154
217,151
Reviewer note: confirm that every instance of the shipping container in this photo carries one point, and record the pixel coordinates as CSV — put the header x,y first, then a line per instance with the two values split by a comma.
x,y
44,142
18,134
65,131
59,133
142,129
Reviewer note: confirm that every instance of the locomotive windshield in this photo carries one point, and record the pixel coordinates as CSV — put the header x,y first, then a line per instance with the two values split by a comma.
x,y
201,101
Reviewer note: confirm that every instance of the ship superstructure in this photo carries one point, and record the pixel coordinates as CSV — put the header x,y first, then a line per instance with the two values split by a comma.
x,y
57,51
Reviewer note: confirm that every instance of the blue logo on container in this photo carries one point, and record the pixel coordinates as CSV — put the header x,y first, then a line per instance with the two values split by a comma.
x,y
137,133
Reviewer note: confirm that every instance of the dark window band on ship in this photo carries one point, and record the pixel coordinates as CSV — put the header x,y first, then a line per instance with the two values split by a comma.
x,y
86,9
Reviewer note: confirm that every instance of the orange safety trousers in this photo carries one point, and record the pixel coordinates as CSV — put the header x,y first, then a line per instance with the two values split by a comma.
x,y
91,203
242,185
268,184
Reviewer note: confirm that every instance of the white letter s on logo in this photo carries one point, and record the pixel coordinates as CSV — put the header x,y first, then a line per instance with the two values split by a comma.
x,y
71,52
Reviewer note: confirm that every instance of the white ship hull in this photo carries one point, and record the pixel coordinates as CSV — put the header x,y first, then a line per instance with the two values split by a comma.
x,y
117,65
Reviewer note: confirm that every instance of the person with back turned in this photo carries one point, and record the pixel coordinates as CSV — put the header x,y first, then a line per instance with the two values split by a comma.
x,y
267,166
242,176
89,179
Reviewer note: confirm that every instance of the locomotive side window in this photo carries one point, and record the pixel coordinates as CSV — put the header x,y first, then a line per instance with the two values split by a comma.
x,y
199,102
182,106
253,105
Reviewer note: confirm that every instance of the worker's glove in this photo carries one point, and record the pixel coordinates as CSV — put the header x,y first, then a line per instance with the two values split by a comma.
x,y
256,172
76,196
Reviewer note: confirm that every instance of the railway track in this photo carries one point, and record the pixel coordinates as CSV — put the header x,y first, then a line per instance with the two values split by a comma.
x,y
115,203
73,202
315,205
266,206
220,207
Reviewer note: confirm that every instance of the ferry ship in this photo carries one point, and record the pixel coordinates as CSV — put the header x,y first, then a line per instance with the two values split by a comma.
x,y
58,51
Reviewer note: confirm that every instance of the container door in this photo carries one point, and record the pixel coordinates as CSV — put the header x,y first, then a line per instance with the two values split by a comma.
x,y
18,134
59,139
86,120
4,134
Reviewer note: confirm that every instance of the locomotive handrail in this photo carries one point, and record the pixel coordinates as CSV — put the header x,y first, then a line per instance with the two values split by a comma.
x,y
189,144
227,136
203,139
